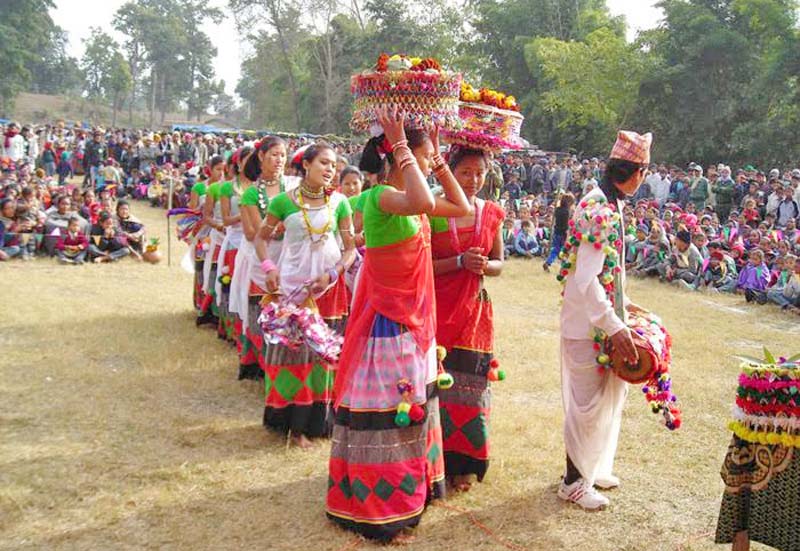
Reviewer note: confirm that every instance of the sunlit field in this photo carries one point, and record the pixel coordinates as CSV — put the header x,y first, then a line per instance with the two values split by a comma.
x,y
122,426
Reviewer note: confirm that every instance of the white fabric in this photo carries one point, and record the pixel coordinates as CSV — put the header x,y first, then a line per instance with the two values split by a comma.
x,y
233,239
592,400
215,238
300,259
593,405
16,149
585,304
659,187
247,269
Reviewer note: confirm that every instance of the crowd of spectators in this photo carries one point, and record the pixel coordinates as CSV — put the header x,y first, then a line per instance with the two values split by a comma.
x,y
714,230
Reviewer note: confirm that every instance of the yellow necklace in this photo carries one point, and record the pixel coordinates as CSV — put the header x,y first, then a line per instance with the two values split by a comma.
x,y
311,229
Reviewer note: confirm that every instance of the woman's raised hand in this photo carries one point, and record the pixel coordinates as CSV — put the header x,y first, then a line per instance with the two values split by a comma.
x,y
393,122
433,132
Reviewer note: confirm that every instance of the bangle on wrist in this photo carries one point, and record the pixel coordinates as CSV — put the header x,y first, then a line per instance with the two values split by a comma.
x,y
460,261
399,143
268,266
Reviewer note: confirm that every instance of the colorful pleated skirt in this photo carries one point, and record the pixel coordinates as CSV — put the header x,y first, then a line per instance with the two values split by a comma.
x,y
465,408
381,475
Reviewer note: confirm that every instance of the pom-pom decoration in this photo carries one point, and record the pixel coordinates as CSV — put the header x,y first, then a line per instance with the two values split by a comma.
x,y
407,411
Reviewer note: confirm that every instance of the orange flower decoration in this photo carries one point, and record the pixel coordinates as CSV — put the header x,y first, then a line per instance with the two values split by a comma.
x,y
383,63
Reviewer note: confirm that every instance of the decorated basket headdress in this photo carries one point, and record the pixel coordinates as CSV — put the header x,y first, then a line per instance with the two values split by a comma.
x,y
420,87
490,121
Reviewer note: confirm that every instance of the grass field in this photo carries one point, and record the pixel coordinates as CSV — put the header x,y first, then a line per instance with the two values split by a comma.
x,y
122,426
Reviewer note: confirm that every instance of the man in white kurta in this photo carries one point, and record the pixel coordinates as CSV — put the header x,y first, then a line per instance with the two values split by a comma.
x,y
593,398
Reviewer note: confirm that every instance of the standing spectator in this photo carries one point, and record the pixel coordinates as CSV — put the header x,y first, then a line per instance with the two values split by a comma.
x,y
788,208
94,157
563,214
49,159
724,189
187,151
698,187
13,143
147,154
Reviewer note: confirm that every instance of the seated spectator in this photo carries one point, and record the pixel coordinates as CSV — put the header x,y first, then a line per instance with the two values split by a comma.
x,y
130,227
684,264
751,214
655,252
508,236
9,236
525,244
637,244
106,244
26,223
72,246
57,221
700,240
786,293
90,208
717,276
753,278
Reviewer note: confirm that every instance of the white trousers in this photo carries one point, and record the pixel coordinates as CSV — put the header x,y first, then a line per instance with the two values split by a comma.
x,y
593,404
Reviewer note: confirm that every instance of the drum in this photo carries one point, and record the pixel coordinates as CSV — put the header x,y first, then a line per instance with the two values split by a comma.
x,y
652,343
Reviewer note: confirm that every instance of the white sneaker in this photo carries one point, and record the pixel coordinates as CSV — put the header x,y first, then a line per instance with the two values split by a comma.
x,y
583,495
608,482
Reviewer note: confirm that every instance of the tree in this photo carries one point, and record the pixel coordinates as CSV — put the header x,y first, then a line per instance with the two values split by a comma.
x,y
282,19
598,92
53,71
165,41
27,32
107,72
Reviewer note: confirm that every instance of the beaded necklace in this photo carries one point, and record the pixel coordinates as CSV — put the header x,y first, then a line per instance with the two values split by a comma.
x,y
309,226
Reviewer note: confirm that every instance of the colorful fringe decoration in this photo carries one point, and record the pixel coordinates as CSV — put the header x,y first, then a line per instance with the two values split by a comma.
x,y
189,224
767,407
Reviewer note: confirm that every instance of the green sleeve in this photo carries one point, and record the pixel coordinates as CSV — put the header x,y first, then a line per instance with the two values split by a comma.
x,y
250,197
280,206
362,198
199,188
343,211
439,224
226,190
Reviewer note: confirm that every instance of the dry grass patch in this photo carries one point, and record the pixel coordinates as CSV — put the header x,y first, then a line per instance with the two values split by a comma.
x,y
122,426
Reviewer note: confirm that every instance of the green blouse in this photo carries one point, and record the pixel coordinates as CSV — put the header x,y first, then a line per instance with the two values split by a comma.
x,y
282,206
382,228
199,188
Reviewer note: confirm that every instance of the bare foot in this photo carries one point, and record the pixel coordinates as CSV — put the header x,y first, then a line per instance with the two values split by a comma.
x,y
98,260
301,441
461,483
403,539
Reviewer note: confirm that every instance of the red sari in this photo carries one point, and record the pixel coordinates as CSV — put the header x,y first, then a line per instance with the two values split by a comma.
x,y
466,329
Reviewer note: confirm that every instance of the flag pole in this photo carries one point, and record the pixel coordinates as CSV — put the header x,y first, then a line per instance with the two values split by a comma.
x,y
169,232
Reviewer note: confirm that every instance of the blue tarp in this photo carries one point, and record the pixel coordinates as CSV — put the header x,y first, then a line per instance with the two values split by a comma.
x,y
204,128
